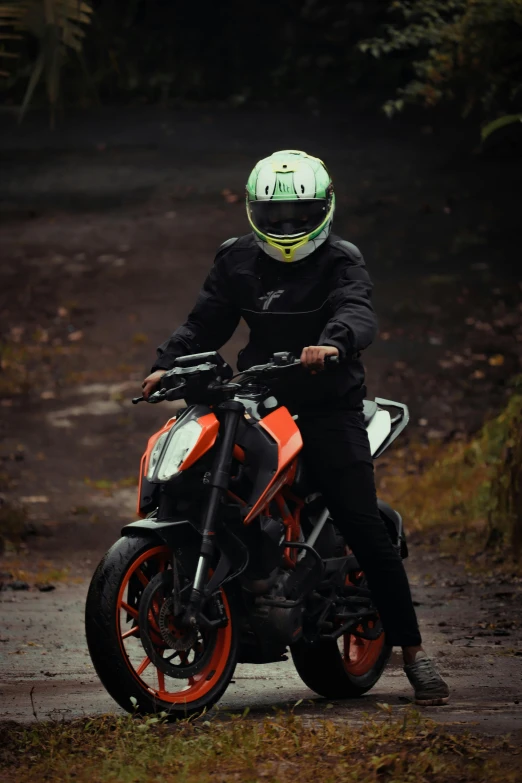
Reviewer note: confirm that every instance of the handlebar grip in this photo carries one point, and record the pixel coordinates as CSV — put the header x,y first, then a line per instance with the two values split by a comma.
x,y
136,400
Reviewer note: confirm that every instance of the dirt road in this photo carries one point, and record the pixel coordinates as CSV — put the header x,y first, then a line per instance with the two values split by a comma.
x,y
107,229
473,631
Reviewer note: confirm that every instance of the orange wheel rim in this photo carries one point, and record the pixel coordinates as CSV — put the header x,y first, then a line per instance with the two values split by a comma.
x,y
361,655
142,669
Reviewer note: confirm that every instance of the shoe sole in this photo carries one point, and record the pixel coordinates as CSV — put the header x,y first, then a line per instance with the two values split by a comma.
x,y
432,702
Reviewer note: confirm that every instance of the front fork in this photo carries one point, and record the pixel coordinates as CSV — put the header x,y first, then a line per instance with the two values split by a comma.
x,y
219,480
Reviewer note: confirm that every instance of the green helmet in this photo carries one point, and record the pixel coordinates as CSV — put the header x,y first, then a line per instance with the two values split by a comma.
x,y
290,204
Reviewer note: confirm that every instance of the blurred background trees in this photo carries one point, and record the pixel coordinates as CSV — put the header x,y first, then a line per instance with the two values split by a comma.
x,y
426,51
469,51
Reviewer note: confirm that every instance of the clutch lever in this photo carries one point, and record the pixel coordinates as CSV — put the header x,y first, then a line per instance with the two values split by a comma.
x,y
162,394
158,396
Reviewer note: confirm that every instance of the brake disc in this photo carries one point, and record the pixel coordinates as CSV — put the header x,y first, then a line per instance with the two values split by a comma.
x,y
183,651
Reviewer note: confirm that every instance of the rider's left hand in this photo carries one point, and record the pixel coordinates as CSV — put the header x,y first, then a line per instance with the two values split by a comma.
x,y
313,356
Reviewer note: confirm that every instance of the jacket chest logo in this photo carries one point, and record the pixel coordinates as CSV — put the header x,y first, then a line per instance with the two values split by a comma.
x,y
269,298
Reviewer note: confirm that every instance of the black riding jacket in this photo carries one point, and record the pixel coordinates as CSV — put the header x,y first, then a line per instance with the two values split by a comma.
x,y
323,300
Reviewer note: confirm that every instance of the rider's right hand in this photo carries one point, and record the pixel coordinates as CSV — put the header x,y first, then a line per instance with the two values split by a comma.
x,y
151,382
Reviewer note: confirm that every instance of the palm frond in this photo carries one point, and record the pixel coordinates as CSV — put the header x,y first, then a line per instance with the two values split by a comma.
x,y
59,25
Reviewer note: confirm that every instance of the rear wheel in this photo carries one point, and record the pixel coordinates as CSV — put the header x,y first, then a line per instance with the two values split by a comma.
x,y
346,668
145,659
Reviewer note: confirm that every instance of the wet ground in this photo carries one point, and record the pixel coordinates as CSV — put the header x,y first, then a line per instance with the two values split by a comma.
x,y
107,228
472,629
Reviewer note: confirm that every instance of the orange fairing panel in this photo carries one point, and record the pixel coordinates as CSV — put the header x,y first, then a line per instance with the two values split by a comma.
x,y
285,432
209,430
283,429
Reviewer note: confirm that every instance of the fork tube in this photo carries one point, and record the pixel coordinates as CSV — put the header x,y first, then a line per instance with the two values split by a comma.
x,y
219,479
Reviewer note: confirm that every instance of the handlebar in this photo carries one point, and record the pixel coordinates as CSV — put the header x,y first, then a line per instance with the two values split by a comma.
x,y
283,360
280,361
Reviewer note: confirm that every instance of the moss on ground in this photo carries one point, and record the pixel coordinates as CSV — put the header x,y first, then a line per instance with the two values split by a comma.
x,y
403,749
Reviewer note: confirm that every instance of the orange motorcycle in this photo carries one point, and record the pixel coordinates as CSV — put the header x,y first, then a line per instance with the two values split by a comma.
x,y
235,558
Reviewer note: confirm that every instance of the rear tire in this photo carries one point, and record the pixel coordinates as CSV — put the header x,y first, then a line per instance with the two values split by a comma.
x,y
323,667
113,637
345,673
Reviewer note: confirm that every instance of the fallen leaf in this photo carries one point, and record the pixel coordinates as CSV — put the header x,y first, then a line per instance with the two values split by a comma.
x,y
139,338
229,196
478,375
496,361
34,499
74,337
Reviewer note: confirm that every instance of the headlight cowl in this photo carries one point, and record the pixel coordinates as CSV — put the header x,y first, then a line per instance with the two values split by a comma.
x,y
179,445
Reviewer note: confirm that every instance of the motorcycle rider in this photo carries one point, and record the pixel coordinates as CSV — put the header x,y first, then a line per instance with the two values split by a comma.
x,y
302,289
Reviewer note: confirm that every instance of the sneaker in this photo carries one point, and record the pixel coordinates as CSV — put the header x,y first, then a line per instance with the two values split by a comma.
x,y
430,689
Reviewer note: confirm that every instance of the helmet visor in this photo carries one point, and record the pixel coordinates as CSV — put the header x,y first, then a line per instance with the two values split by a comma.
x,y
288,218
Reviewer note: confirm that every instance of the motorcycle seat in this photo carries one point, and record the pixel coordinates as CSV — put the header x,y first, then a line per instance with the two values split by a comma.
x,y
370,408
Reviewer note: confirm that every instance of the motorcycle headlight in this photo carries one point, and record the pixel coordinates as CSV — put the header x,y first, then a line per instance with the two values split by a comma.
x,y
155,455
180,444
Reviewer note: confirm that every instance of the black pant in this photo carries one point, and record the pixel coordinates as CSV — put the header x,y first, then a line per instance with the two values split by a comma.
x,y
337,453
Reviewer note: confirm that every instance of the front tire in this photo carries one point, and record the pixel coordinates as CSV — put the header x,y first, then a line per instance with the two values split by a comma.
x,y
113,637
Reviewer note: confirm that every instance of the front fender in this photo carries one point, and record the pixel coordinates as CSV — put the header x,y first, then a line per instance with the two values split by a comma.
x,y
182,537
173,533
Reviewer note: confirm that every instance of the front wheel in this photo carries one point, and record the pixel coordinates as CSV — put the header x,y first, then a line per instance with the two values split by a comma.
x,y
146,661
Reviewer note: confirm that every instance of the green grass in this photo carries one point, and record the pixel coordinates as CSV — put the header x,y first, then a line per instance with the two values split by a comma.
x,y
401,749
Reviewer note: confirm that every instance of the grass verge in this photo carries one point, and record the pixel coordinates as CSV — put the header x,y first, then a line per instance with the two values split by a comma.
x,y
468,495
404,749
